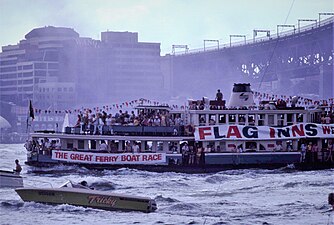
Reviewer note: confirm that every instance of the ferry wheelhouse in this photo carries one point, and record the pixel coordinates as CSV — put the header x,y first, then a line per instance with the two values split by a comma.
x,y
205,136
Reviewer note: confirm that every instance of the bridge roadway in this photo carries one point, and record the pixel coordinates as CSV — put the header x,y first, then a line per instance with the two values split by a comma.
x,y
294,63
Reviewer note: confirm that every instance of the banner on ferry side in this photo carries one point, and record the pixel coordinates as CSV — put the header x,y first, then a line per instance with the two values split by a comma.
x,y
109,158
241,132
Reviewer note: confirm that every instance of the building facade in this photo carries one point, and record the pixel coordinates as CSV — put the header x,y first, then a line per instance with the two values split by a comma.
x,y
58,69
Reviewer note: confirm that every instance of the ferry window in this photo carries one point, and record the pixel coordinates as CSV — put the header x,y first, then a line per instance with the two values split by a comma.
x,y
138,143
300,118
241,118
231,118
251,119
172,146
212,119
160,146
202,120
261,119
280,119
69,145
148,146
221,147
222,118
240,148
113,146
210,147
271,120
250,146
92,144
289,119
81,144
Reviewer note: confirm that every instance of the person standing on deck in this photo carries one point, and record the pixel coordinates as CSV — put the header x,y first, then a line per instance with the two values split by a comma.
x,y
303,152
103,146
219,96
135,148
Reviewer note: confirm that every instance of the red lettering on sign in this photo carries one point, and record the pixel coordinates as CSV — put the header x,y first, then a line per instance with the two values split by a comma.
x,y
233,131
326,129
81,157
99,158
130,158
150,157
298,130
202,132
61,155
272,132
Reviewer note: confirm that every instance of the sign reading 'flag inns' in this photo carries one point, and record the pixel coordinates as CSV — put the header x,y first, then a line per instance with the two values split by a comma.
x,y
240,132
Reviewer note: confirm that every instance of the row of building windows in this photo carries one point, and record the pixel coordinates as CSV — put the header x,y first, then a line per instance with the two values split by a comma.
x,y
27,74
8,75
53,66
8,83
40,65
64,96
30,88
15,75
65,89
8,62
15,82
7,69
30,81
15,88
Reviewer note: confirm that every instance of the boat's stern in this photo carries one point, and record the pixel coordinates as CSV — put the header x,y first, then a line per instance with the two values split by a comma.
x,y
152,206
10,179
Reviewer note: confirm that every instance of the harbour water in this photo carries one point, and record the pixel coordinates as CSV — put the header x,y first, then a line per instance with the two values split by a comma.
x,y
253,196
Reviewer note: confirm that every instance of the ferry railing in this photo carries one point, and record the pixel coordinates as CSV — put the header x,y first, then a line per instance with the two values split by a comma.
x,y
177,130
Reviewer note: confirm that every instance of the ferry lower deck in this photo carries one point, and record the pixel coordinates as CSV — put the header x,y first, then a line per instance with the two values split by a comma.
x,y
209,162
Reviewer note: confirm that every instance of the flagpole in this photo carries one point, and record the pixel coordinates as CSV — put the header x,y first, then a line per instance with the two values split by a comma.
x,y
30,115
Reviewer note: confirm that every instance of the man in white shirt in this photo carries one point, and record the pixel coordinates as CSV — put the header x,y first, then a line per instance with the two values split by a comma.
x,y
103,146
135,148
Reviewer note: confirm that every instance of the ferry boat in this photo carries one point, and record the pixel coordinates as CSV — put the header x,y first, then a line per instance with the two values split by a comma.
x,y
206,136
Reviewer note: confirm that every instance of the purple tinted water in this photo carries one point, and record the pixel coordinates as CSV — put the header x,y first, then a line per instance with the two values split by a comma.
x,y
230,197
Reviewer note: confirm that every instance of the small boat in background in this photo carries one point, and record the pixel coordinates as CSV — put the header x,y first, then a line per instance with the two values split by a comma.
x,y
79,195
10,179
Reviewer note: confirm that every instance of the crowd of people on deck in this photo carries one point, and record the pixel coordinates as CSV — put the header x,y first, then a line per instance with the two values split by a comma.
x,y
311,153
327,118
151,118
44,146
195,154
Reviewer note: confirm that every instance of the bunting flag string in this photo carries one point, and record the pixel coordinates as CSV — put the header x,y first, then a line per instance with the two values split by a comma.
x,y
259,96
302,101
106,108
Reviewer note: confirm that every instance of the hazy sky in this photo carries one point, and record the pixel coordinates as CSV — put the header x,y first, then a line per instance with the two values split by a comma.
x,y
186,22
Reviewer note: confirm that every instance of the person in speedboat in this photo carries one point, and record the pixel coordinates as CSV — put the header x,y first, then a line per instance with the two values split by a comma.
x,y
82,184
18,167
